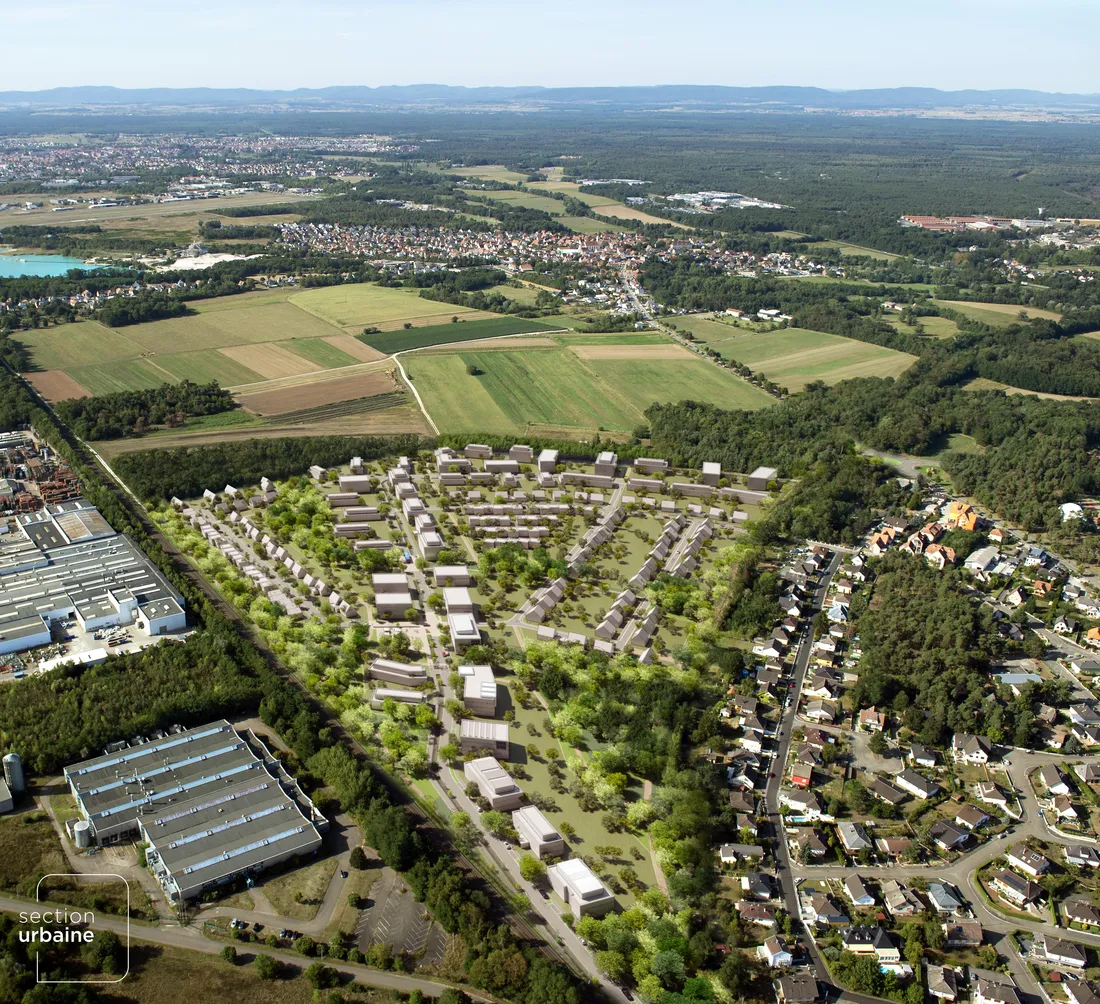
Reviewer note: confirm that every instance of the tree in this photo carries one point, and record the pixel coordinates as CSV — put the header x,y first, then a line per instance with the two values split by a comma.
x,y
497,823
229,954
612,964
532,869
266,967
305,945
453,996
358,859
668,967
322,977
736,973
878,744
103,952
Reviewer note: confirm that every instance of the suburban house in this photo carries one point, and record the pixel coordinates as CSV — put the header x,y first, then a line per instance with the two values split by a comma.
x,y
579,889
893,847
963,934
808,843
801,774
867,940
1082,991
1062,807
1064,953
899,900
942,982
1082,856
798,988
824,911
1053,780
942,898
1030,862
775,953
853,837
857,892
759,885
872,720
948,837
732,853
969,748
756,913
1082,912
820,711
922,756
1016,889
884,791
996,991
971,817
916,784
990,794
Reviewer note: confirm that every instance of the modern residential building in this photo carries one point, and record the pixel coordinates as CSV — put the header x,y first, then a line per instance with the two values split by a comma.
x,y
479,689
867,940
494,783
579,889
397,672
536,833
491,736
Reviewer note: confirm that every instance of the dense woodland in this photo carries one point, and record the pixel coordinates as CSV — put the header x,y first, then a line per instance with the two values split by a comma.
x,y
134,412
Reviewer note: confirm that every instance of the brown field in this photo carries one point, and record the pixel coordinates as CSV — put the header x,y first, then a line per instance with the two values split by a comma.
x,y
620,352
56,385
312,395
354,348
402,418
271,360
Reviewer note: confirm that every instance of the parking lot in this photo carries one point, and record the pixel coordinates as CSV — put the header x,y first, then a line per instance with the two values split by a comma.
x,y
395,918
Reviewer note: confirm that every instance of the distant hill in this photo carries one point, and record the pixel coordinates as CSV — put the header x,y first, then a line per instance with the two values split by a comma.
x,y
436,96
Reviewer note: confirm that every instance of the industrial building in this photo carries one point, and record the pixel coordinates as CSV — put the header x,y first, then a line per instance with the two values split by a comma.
x,y
212,803
66,561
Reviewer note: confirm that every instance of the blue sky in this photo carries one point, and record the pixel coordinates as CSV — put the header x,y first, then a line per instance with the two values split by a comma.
x,y
1041,44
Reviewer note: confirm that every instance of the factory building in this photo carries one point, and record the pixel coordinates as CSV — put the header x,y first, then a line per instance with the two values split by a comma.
x,y
212,803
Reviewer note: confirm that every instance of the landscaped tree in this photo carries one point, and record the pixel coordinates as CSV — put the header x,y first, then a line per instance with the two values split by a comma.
x,y
532,869
229,954
266,967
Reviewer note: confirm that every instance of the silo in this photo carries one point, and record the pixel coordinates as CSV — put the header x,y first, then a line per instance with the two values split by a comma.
x,y
13,772
82,831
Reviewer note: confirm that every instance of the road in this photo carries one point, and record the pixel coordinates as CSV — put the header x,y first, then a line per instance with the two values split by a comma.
x,y
192,939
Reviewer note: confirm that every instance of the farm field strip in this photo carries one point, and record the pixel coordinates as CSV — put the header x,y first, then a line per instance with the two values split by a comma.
x,y
464,331
341,386
271,360
320,351
357,305
997,314
525,200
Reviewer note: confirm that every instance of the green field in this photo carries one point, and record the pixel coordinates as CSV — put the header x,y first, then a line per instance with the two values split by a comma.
x,y
855,250
937,327
442,334
525,200
318,351
202,367
1000,315
630,338
356,305
85,343
555,388
794,357
521,294
122,374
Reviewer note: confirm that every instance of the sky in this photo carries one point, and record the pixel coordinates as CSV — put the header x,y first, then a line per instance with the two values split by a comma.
x,y
842,44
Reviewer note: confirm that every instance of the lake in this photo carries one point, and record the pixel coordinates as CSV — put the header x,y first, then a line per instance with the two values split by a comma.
x,y
14,265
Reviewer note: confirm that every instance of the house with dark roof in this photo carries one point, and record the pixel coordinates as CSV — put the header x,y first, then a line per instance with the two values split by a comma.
x,y
916,784
963,934
971,817
798,988
1060,952
942,982
947,836
1079,911
1016,889
868,940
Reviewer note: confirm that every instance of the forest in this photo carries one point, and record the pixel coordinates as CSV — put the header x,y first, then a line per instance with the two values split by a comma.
x,y
122,310
135,412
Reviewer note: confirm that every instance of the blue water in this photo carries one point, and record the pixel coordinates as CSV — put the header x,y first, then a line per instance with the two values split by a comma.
x,y
14,265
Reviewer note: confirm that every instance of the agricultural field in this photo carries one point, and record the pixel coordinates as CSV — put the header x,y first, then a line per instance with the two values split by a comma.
x,y
583,388
357,305
587,225
524,200
794,357
485,326
853,250
937,327
999,315
292,395
621,212
981,383
487,172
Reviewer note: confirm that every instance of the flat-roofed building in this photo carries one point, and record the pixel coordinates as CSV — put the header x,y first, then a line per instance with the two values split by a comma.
x,y
66,561
464,630
548,461
457,600
451,575
522,454
491,736
651,465
116,791
536,833
494,783
393,605
389,582
712,473
479,690
381,694
579,889
397,672
758,480
607,463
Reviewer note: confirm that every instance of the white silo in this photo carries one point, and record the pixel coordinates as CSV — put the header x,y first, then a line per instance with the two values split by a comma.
x,y
13,772
82,831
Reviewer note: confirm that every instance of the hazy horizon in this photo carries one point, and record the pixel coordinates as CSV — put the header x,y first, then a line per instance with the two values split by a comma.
x,y
847,45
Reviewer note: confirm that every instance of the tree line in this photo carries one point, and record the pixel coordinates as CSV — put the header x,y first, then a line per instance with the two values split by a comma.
x,y
135,412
